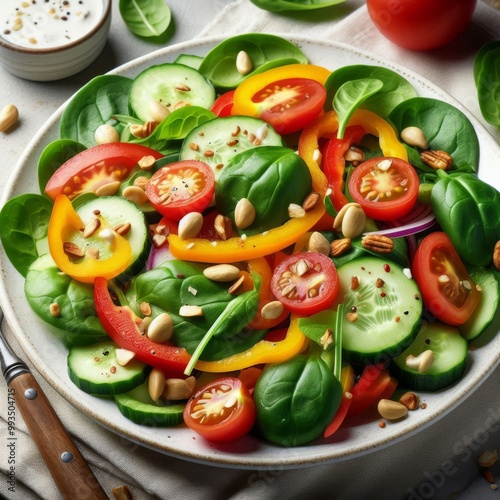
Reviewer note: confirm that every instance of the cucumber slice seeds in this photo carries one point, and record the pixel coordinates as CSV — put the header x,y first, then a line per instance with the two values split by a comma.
x,y
383,309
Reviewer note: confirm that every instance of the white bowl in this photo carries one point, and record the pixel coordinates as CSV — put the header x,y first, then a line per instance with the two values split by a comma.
x,y
59,61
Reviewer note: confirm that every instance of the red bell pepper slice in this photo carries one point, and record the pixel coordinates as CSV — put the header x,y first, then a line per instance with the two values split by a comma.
x,y
333,164
120,324
340,416
374,384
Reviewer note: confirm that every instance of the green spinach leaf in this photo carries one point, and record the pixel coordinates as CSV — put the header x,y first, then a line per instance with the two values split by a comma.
x,y
350,96
95,104
175,127
53,156
294,5
468,211
24,221
265,52
487,80
445,127
296,400
46,285
146,18
270,177
395,90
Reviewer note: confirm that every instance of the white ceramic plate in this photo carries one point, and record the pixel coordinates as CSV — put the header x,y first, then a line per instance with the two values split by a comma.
x,y
49,355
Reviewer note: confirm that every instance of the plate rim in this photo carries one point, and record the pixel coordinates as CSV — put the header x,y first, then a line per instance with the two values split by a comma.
x,y
211,457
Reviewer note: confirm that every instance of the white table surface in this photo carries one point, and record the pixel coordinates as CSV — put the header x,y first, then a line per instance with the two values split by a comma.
x,y
454,465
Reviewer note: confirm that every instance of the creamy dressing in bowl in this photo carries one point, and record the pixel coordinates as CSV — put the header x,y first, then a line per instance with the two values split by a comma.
x,y
43,24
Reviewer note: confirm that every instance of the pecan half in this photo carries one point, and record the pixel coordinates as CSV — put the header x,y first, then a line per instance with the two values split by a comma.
x,y
437,159
339,247
378,243
311,201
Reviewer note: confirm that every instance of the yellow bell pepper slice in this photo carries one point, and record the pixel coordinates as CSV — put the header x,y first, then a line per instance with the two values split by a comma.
x,y
66,230
263,351
327,124
238,249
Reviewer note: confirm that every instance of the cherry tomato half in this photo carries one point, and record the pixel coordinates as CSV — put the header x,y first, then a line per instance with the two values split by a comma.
x,y
181,187
386,188
222,410
447,289
421,24
96,167
305,283
223,104
288,97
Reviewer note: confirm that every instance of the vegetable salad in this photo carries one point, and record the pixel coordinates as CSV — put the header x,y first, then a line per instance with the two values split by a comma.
x,y
247,242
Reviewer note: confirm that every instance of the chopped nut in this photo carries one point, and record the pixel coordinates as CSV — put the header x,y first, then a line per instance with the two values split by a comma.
x,y
141,181
437,159
413,136
105,134
272,310
135,195
123,229
124,356
222,272
161,328
9,116
496,256
339,247
354,154
223,227
177,389
55,310
350,220
146,163
91,227
391,410
190,225
236,285
352,317
121,493
190,311
244,213
73,250
311,201
378,243
108,189
295,211
410,400
326,339
354,282
156,384
318,243
422,362
145,308
182,87
158,111
243,63
487,459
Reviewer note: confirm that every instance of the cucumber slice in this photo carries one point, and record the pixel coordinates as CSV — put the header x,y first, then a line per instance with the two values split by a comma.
x,y
382,313
216,141
94,370
189,60
117,210
138,406
450,358
485,311
172,85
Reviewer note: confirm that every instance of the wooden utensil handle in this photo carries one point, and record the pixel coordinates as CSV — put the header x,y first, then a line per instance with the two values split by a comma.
x,y
69,469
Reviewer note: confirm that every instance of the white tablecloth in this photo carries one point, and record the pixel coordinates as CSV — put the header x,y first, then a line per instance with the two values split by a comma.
x,y
435,463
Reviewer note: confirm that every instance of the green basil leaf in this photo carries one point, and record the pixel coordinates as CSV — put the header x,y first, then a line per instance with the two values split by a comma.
x,y
350,96
294,5
95,104
146,18
24,221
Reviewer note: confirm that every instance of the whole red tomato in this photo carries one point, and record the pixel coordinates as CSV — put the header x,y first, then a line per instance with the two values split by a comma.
x,y
421,24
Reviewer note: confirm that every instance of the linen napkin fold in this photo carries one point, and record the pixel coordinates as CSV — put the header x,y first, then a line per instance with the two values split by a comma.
x,y
149,474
